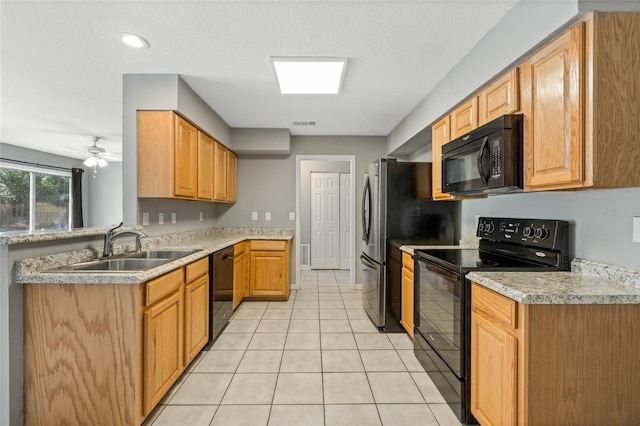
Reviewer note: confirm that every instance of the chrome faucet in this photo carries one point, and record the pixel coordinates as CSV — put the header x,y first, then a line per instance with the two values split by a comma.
x,y
111,235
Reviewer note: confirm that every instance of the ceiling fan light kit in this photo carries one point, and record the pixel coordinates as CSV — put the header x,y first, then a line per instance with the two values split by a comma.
x,y
96,159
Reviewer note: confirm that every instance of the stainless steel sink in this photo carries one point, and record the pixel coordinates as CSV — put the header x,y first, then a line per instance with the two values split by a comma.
x,y
162,254
135,262
112,265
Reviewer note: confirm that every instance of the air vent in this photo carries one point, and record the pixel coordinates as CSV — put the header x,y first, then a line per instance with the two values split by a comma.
x,y
304,123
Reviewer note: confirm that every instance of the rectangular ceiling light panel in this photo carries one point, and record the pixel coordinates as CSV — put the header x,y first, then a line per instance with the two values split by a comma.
x,y
309,75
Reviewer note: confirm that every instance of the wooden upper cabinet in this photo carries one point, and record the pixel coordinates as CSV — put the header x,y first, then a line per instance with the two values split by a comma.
x,y
186,159
552,84
464,118
232,177
220,173
440,135
580,108
499,98
178,160
205,167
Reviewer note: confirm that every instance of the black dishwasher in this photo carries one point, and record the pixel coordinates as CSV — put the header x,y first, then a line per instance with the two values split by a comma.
x,y
221,291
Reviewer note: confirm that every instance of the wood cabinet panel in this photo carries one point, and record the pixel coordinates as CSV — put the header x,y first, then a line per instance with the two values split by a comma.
x,y
493,373
232,177
408,307
464,118
268,275
240,275
440,134
499,98
186,159
155,136
196,321
220,173
553,82
500,308
205,167
196,269
163,327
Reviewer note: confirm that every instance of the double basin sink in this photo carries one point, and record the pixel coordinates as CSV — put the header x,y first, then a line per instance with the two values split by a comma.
x,y
134,262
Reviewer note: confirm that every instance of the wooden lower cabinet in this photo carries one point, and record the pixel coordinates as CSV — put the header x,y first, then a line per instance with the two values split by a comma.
x,y
408,307
269,269
553,364
162,362
105,354
240,273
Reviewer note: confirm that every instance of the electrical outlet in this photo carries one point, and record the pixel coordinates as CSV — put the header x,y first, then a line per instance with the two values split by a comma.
x,y
636,229
267,215
160,218
145,218
201,216
174,218
254,215
292,216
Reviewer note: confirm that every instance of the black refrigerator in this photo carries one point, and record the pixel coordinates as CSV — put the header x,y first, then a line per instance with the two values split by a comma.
x,y
397,206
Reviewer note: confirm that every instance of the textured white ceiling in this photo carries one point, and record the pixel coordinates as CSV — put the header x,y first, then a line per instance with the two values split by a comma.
x,y
61,65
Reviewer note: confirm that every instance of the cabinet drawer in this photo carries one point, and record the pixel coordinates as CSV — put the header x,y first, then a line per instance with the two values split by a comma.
x,y
197,269
266,245
160,287
500,308
239,248
407,261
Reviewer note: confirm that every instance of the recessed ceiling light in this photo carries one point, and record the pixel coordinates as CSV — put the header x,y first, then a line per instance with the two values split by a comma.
x,y
133,40
309,75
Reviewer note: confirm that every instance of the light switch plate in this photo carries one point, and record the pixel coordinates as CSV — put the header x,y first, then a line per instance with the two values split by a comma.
x,y
160,218
292,216
145,218
201,216
636,229
267,215
174,218
254,215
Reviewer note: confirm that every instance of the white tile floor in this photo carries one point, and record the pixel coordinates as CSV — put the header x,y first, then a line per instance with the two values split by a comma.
x,y
314,360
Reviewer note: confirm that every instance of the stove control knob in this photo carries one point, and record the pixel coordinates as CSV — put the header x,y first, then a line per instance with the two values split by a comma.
x,y
541,233
528,232
481,226
489,227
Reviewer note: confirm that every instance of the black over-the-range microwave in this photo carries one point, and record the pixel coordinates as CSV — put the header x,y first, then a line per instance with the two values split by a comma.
x,y
487,160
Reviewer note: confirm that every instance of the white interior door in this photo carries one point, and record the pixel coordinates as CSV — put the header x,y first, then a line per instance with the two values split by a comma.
x,y
325,220
345,220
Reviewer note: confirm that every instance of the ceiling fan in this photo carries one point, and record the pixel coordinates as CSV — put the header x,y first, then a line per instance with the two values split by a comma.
x,y
96,159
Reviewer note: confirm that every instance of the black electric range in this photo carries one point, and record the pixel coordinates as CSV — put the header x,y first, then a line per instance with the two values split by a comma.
x,y
443,294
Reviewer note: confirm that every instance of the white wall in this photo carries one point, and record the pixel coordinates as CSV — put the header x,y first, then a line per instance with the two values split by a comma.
x,y
103,196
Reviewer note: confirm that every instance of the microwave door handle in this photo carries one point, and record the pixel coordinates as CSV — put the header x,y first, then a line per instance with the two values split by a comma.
x,y
481,154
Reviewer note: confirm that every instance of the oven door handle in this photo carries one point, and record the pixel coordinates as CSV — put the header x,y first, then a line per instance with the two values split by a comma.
x,y
442,272
481,154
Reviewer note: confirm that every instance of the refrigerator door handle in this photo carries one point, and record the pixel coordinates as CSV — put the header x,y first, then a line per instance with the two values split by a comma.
x,y
366,210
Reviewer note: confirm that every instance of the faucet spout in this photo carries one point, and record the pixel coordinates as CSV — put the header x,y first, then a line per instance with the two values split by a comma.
x,y
111,236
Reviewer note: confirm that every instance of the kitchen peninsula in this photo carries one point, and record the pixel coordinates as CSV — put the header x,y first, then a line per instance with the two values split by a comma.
x,y
131,334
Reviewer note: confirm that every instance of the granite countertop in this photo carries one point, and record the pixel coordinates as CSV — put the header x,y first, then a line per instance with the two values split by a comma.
x,y
587,283
29,271
22,237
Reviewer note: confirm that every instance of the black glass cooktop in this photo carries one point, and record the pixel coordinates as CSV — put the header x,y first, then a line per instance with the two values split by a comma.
x,y
464,260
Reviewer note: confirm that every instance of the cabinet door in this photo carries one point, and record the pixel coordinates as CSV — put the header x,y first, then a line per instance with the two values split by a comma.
x,y
239,273
162,348
196,317
205,167
268,273
500,98
494,354
232,177
407,300
464,118
439,136
552,81
185,150
220,173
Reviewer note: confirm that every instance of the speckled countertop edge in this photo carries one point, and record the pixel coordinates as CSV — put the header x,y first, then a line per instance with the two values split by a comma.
x,y
588,283
28,271
21,237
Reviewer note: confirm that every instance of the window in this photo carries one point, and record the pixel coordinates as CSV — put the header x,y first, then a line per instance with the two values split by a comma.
x,y
34,199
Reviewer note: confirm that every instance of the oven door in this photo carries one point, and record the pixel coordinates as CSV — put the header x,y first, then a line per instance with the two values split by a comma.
x,y
439,314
